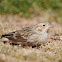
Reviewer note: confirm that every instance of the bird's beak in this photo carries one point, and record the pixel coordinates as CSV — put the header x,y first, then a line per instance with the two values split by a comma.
x,y
50,25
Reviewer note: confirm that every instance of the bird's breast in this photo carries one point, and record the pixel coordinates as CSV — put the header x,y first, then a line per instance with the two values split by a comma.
x,y
43,38
38,38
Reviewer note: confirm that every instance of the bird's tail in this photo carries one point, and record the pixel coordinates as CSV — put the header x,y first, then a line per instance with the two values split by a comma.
x,y
4,39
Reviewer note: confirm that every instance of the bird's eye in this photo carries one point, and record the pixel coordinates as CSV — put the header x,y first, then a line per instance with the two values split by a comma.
x,y
43,25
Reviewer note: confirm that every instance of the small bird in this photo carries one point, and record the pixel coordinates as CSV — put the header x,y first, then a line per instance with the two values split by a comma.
x,y
36,34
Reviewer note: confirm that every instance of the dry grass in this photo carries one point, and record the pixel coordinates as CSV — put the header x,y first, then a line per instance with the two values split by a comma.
x,y
51,52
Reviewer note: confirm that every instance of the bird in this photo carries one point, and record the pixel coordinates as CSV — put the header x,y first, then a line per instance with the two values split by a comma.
x,y
36,34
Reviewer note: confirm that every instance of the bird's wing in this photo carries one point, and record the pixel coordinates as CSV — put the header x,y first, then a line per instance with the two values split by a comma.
x,y
20,35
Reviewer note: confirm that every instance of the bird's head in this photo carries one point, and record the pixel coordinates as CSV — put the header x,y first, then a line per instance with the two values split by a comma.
x,y
42,27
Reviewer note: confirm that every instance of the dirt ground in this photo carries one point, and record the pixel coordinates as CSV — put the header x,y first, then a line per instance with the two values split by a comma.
x,y
51,52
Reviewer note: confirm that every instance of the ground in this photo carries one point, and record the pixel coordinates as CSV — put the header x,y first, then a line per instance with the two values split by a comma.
x,y
51,52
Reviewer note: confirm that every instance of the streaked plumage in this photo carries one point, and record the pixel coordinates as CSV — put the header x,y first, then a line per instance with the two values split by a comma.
x,y
36,34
